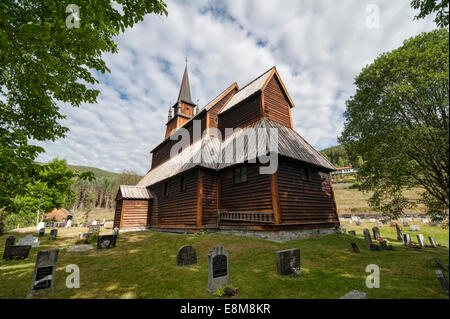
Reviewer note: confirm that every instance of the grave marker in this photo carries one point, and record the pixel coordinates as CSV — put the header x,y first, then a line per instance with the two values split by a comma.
x,y
432,241
53,233
16,252
355,294
355,248
94,229
376,233
186,256
106,241
288,262
352,232
421,240
441,264
40,225
10,241
399,232
28,240
217,268
367,238
41,232
442,280
407,240
44,272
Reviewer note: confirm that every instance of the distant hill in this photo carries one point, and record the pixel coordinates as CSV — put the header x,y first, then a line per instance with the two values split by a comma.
x,y
337,155
97,171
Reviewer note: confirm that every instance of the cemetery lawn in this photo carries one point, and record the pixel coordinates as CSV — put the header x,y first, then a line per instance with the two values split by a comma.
x,y
143,265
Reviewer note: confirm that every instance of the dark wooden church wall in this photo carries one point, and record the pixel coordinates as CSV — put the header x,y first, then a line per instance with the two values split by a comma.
x,y
179,208
276,105
253,195
209,200
304,201
135,213
241,115
215,110
118,213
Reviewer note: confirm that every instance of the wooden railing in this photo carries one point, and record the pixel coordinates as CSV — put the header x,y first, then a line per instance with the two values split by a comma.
x,y
259,217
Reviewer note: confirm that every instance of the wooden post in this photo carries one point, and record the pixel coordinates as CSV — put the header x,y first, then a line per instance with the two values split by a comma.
x,y
218,198
275,198
200,198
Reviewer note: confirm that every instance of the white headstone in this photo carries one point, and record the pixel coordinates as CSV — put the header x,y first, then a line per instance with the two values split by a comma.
x,y
94,222
69,223
372,220
28,240
40,226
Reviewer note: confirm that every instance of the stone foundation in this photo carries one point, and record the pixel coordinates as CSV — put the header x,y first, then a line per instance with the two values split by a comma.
x,y
280,236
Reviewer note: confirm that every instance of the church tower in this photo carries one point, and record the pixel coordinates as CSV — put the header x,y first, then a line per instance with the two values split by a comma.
x,y
184,109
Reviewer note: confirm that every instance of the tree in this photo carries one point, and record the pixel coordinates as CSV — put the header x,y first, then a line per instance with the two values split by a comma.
x,y
398,121
48,52
428,7
50,190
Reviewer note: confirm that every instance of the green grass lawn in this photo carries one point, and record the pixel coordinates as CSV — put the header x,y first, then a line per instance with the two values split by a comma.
x,y
143,266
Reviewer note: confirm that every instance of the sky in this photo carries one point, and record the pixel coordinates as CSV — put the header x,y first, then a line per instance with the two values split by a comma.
x,y
318,47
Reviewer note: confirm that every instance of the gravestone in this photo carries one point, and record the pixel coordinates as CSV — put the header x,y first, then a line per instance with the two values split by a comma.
x,y
441,264
116,231
355,248
380,224
442,280
28,240
44,272
432,241
421,240
352,232
362,220
106,241
10,241
288,262
109,225
405,224
343,230
69,223
376,233
425,220
78,248
41,232
414,228
367,238
217,268
94,222
355,294
53,233
399,232
49,224
186,256
40,225
94,229
407,240
16,252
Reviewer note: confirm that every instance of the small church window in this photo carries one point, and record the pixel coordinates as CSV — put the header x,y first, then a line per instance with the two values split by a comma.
x,y
304,172
240,175
166,188
183,183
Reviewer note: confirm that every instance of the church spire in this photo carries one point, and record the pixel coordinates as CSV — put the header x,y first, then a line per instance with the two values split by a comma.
x,y
185,90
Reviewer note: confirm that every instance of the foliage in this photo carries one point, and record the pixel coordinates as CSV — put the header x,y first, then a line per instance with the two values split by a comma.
x,y
49,190
44,61
337,155
428,7
398,121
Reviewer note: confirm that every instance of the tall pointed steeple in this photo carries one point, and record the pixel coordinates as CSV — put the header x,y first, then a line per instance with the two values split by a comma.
x,y
185,90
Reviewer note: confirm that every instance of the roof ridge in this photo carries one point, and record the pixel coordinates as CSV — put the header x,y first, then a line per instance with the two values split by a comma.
x,y
254,80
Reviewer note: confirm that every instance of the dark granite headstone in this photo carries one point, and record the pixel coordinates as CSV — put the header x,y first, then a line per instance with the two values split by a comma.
x,y
288,262
432,241
217,268
106,241
41,232
355,248
442,280
376,233
441,264
367,238
53,233
16,252
10,241
352,232
383,244
186,256
44,271
399,232
407,240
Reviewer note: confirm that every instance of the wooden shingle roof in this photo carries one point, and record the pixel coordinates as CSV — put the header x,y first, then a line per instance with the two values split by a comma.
x,y
134,192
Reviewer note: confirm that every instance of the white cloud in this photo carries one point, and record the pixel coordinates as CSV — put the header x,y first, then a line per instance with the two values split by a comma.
x,y
317,46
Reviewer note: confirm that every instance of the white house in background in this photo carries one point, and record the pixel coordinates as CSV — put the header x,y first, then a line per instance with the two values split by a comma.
x,y
345,170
